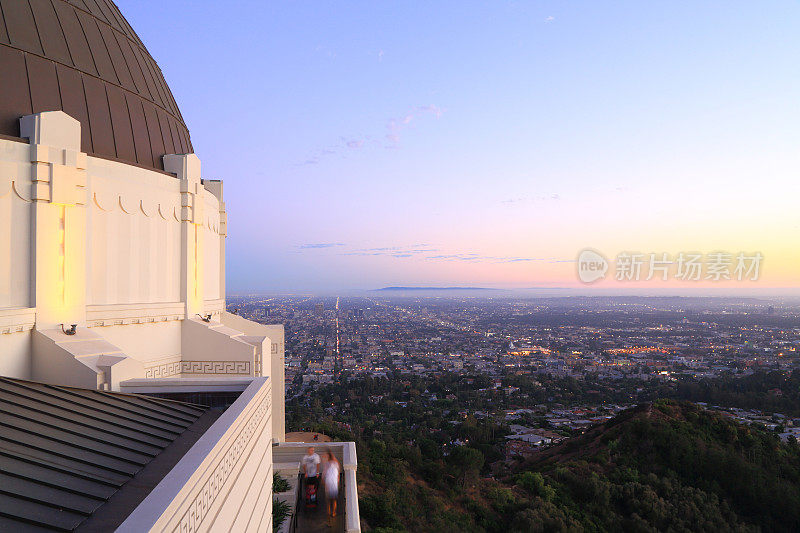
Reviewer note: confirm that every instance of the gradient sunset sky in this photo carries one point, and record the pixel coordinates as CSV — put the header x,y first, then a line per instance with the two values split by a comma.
x,y
365,144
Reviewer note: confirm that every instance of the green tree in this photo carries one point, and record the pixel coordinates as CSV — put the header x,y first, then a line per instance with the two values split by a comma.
x,y
466,462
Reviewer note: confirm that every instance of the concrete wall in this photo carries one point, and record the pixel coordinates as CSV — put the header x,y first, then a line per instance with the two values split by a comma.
x,y
276,368
128,251
15,354
16,343
212,344
15,226
54,362
134,242
133,235
211,249
163,339
277,374
224,482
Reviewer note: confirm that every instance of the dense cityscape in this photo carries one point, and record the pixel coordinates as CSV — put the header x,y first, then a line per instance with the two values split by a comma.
x,y
481,413
628,344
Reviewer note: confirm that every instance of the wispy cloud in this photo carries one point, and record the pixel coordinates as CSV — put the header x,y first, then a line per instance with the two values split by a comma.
x,y
433,254
318,245
325,51
427,252
454,257
479,258
355,143
396,125
390,139
531,199
393,251
437,111
520,259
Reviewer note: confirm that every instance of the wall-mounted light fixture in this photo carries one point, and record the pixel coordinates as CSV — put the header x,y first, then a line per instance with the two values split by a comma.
x,y
71,330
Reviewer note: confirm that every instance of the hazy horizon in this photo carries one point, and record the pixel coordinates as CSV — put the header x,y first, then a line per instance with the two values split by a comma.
x,y
789,296
372,144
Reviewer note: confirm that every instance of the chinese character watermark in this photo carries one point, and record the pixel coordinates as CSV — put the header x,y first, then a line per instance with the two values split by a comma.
x,y
685,266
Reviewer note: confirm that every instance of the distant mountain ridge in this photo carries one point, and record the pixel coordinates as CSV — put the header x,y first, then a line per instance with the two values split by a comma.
x,y
437,289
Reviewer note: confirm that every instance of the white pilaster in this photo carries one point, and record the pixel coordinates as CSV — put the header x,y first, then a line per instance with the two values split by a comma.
x,y
187,168
215,187
58,225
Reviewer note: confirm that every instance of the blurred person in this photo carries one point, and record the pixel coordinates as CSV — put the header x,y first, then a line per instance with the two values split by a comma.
x,y
310,465
330,477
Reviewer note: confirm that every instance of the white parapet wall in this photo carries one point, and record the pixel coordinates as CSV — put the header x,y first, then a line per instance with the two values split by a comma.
x,y
224,482
185,385
16,341
276,367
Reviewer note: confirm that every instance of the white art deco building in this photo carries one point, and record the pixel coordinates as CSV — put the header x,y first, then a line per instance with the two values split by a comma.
x,y
112,281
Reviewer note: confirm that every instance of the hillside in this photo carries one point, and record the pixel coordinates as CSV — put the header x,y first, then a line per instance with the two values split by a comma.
x,y
431,465
662,466
670,465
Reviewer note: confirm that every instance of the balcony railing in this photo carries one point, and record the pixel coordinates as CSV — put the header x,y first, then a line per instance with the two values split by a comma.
x,y
216,486
290,454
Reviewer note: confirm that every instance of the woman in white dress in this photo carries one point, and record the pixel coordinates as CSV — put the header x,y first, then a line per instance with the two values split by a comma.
x,y
330,478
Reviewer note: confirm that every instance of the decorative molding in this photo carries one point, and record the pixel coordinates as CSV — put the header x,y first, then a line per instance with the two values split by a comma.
x,y
223,219
212,225
97,202
18,193
58,167
9,180
124,314
129,210
214,307
129,206
163,370
216,367
203,501
152,208
214,474
17,320
174,366
177,206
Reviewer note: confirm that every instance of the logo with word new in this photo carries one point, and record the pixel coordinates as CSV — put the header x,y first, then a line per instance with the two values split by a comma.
x,y
592,266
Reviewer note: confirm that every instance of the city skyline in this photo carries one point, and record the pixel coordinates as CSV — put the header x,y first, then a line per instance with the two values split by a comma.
x,y
487,146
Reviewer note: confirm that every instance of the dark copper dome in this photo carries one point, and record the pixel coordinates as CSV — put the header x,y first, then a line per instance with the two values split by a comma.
x,y
82,56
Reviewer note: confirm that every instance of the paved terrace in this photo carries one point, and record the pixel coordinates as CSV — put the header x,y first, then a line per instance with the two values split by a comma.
x,y
286,458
